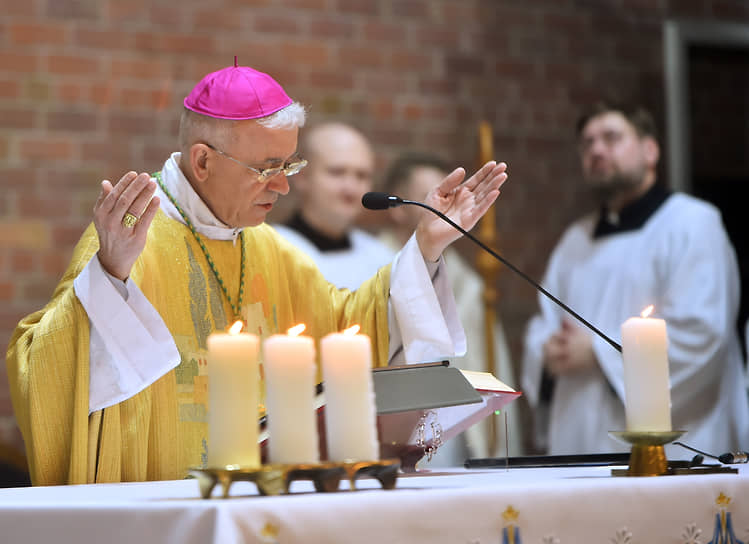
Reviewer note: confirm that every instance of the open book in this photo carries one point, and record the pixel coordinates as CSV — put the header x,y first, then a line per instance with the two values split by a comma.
x,y
420,406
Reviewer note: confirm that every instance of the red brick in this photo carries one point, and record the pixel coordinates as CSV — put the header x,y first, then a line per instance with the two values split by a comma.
x,y
216,19
309,54
276,23
358,57
332,79
383,83
332,27
22,9
132,123
7,291
36,34
55,263
407,60
69,93
457,13
24,234
74,9
155,154
411,8
72,65
66,235
102,94
445,38
435,85
9,89
45,207
104,39
39,291
47,148
382,109
22,261
187,43
81,176
413,112
142,99
18,62
306,4
515,69
361,7
457,65
139,68
379,31
70,121
16,177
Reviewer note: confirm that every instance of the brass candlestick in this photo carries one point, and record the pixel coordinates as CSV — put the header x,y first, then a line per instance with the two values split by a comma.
x,y
275,479
647,458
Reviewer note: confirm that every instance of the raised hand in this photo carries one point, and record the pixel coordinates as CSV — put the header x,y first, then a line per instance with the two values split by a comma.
x,y
122,215
465,202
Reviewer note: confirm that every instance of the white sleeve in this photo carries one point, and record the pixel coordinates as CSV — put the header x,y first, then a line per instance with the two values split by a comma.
x,y
423,317
130,346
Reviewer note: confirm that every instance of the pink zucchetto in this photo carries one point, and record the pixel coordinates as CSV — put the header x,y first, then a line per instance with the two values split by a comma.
x,y
237,92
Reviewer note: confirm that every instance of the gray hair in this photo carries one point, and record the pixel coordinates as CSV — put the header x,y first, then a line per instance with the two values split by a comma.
x,y
195,127
292,116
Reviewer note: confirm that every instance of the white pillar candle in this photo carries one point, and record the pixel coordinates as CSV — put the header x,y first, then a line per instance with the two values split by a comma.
x,y
233,386
646,379
289,368
350,410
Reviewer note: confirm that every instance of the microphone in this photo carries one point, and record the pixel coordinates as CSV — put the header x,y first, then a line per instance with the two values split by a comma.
x,y
383,201
734,458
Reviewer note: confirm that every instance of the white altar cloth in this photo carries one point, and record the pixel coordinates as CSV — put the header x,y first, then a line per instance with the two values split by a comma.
x,y
528,505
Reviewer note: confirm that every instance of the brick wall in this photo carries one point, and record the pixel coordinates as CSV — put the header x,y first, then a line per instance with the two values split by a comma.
x,y
92,88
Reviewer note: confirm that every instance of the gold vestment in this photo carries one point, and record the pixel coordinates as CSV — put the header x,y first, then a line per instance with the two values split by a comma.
x,y
161,431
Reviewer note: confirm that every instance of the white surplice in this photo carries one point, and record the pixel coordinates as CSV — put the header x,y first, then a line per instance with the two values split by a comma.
x,y
345,268
681,261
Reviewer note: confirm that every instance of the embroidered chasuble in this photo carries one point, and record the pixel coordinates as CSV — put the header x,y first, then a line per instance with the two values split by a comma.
x,y
163,430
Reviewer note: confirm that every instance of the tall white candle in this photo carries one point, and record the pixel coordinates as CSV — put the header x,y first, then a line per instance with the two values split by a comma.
x,y
350,410
233,399
646,379
289,368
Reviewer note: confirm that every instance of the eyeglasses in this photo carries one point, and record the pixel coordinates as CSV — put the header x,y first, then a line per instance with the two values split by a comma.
x,y
264,174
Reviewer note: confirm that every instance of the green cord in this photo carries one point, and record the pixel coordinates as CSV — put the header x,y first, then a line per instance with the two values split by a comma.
x,y
236,309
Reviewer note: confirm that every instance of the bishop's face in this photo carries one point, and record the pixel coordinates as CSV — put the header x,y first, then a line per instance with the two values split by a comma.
x,y
234,193
615,158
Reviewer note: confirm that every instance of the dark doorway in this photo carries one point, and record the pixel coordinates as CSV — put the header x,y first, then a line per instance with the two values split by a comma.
x,y
718,111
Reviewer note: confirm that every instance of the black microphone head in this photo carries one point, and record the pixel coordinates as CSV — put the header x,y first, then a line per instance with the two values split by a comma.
x,y
379,201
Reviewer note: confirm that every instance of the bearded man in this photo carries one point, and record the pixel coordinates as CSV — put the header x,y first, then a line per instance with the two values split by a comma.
x,y
644,246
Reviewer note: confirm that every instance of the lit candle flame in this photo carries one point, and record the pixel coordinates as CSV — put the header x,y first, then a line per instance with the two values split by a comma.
x,y
236,328
296,330
647,311
351,331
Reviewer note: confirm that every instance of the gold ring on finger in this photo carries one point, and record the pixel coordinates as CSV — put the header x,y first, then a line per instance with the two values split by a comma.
x,y
129,220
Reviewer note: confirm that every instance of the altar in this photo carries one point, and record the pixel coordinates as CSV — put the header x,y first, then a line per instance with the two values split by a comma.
x,y
529,505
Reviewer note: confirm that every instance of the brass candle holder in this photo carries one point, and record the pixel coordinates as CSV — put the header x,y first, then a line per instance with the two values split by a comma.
x,y
648,457
275,479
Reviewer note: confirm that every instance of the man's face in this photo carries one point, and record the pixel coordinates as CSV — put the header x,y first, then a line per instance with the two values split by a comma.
x,y
614,157
340,171
233,192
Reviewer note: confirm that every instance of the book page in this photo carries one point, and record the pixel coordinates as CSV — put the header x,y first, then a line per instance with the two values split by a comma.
x,y
485,381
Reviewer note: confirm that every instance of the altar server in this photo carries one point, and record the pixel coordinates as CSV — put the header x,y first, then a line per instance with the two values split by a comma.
x,y
644,246
108,380
329,192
